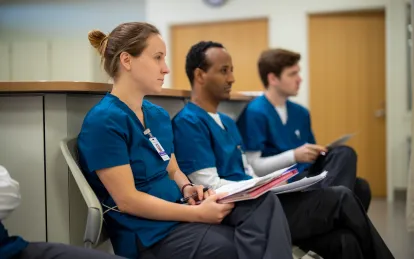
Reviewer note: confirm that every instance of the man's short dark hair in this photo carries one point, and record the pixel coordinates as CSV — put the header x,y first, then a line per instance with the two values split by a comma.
x,y
275,61
196,58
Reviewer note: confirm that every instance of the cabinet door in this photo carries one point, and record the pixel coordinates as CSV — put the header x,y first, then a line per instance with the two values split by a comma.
x,y
22,153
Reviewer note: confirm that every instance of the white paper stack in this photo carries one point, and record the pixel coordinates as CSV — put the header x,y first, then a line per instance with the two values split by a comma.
x,y
300,185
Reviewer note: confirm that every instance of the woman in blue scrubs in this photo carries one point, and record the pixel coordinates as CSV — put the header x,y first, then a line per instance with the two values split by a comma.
x,y
126,152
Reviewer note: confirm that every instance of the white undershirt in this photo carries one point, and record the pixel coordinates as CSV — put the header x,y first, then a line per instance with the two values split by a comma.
x,y
9,194
266,165
217,118
282,111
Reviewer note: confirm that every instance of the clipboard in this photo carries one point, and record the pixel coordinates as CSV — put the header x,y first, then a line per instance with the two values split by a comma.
x,y
340,141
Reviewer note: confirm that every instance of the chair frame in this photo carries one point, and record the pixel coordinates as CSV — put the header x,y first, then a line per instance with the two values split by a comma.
x,y
94,234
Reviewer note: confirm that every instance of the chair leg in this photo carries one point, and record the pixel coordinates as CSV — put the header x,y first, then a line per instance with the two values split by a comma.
x,y
88,244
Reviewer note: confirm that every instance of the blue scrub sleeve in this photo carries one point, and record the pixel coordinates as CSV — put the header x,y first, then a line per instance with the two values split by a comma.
x,y
252,128
103,145
192,145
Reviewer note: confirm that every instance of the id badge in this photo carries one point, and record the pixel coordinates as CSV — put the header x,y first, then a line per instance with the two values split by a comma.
x,y
159,148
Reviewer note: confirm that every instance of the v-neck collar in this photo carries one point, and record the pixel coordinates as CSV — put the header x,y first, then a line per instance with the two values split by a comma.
x,y
131,113
207,116
273,112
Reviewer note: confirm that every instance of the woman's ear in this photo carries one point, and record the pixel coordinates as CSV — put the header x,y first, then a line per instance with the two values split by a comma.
x,y
125,60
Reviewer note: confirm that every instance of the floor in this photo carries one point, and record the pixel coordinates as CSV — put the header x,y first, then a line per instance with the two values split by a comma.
x,y
390,221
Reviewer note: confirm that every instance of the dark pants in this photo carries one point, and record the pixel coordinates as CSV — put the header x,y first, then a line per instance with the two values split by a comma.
x,y
331,222
44,250
341,164
254,229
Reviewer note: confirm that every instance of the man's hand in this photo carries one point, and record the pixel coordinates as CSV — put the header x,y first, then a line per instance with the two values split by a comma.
x,y
308,153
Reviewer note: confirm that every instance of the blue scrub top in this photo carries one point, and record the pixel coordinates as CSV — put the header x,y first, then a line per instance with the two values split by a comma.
x,y
262,129
10,246
112,135
201,143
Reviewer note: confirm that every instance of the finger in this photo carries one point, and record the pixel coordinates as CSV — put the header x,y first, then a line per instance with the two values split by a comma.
x,y
322,149
211,192
218,196
200,193
318,148
206,194
191,201
314,153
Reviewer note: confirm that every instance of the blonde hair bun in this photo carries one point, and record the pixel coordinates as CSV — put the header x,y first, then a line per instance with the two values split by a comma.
x,y
97,38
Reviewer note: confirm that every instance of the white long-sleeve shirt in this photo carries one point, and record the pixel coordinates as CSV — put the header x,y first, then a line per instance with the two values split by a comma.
x,y
9,194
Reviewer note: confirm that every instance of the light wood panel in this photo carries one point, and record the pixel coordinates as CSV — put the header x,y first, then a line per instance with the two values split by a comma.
x,y
244,39
347,86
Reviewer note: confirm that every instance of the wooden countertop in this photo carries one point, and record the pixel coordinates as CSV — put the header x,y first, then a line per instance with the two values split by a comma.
x,y
91,88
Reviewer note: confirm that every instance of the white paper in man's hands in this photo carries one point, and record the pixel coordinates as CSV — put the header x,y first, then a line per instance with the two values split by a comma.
x,y
340,141
300,184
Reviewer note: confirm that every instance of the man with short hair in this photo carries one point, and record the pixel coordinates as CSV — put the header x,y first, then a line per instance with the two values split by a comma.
x,y
277,132
209,150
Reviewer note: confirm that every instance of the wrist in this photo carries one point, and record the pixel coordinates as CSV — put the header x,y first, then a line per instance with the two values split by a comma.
x,y
186,186
193,213
295,155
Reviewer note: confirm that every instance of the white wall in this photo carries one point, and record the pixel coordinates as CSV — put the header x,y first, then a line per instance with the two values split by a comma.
x,y
57,31
39,19
288,28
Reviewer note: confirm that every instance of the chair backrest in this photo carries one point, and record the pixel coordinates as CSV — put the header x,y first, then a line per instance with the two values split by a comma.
x,y
94,233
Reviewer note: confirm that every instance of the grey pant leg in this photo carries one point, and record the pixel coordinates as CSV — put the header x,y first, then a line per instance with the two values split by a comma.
x,y
338,244
261,228
254,229
195,241
362,190
42,250
314,213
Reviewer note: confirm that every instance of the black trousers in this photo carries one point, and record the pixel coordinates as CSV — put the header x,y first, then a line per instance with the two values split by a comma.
x,y
254,229
42,250
332,222
341,164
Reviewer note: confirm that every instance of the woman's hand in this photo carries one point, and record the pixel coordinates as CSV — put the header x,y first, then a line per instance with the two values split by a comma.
x,y
196,191
211,212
